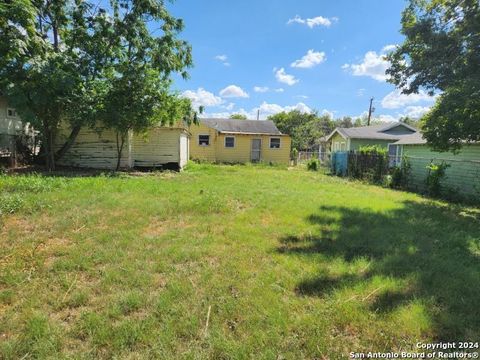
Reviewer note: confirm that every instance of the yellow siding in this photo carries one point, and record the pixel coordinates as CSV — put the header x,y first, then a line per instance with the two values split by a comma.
x,y
93,149
241,153
197,152
158,146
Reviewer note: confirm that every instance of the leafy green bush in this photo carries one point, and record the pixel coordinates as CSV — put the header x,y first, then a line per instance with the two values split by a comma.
x,y
435,176
313,164
369,163
373,150
400,175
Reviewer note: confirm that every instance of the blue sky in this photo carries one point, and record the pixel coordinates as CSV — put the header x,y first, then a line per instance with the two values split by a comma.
x,y
280,55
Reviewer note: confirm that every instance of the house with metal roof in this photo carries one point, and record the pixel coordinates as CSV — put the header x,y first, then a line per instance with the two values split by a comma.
x,y
347,139
238,141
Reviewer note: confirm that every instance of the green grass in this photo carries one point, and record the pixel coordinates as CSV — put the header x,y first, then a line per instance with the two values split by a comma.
x,y
292,264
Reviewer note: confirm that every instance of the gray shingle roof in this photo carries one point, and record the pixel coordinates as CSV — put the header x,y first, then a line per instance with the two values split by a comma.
x,y
372,132
242,126
413,139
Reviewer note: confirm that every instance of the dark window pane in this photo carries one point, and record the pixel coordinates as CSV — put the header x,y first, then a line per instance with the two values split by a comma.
x,y
229,142
204,140
274,143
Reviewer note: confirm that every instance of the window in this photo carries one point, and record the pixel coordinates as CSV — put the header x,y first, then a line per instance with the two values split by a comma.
x,y
274,143
343,146
229,141
11,112
203,140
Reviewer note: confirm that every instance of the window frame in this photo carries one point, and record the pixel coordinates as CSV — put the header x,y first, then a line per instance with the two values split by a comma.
x,y
279,142
13,111
199,144
225,142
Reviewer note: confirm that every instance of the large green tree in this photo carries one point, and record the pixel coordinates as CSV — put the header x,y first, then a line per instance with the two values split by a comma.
x,y
61,59
306,129
441,54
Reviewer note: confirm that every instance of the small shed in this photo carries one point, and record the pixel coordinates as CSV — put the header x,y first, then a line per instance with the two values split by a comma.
x,y
160,147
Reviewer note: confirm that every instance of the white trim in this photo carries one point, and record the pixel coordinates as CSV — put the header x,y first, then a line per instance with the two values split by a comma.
x,y
225,142
198,139
333,133
279,143
14,112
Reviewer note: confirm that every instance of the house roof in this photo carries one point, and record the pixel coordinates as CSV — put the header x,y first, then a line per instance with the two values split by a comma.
x,y
413,139
372,132
234,126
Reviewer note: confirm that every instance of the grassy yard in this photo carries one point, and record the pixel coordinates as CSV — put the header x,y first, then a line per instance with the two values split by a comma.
x,y
284,264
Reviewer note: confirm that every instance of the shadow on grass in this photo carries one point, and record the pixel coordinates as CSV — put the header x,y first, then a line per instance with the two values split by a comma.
x,y
437,246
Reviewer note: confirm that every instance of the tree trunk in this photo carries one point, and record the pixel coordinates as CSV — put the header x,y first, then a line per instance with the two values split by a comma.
x,y
70,141
120,143
49,151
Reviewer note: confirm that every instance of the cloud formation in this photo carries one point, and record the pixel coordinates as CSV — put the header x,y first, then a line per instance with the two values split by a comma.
x,y
310,59
285,78
312,22
233,91
373,65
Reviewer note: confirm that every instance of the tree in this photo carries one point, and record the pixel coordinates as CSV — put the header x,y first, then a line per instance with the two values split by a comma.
x,y
441,54
306,129
238,117
59,57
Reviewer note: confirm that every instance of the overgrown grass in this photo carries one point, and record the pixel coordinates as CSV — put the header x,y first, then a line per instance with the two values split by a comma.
x,y
292,264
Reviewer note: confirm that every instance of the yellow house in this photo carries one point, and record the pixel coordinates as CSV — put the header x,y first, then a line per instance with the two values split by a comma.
x,y
239,141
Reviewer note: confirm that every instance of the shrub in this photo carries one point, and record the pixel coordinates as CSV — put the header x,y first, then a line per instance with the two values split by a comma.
x,y
369,163
400,175
313,164
435,176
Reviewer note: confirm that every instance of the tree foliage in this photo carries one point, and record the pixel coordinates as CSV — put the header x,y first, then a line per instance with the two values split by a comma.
x,y
63,60
238,117
441,53
306,129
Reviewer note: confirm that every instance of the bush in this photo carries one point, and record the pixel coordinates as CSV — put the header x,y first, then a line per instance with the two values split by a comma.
x,y
400,174
435,176
313,164
369,163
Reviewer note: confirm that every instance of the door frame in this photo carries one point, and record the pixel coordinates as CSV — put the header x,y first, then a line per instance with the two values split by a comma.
x,y
259,150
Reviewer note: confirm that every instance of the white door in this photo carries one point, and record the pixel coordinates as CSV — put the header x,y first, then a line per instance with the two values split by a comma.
x,y
183,150
256,150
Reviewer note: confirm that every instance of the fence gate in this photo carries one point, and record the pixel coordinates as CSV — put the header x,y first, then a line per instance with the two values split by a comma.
x,y
339,163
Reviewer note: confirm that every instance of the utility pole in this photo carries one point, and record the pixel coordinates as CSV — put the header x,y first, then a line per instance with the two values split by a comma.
x,y
258,114
371,109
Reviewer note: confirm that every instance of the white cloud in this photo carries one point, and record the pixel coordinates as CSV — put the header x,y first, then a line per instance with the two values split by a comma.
x,y
261,89
311,59
283,77
223,59
328,112
416,112
266,109
279,90
301,96
388,48
386,118
312,22
229,106
373,65
233,91
396,99
201,97
361,92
